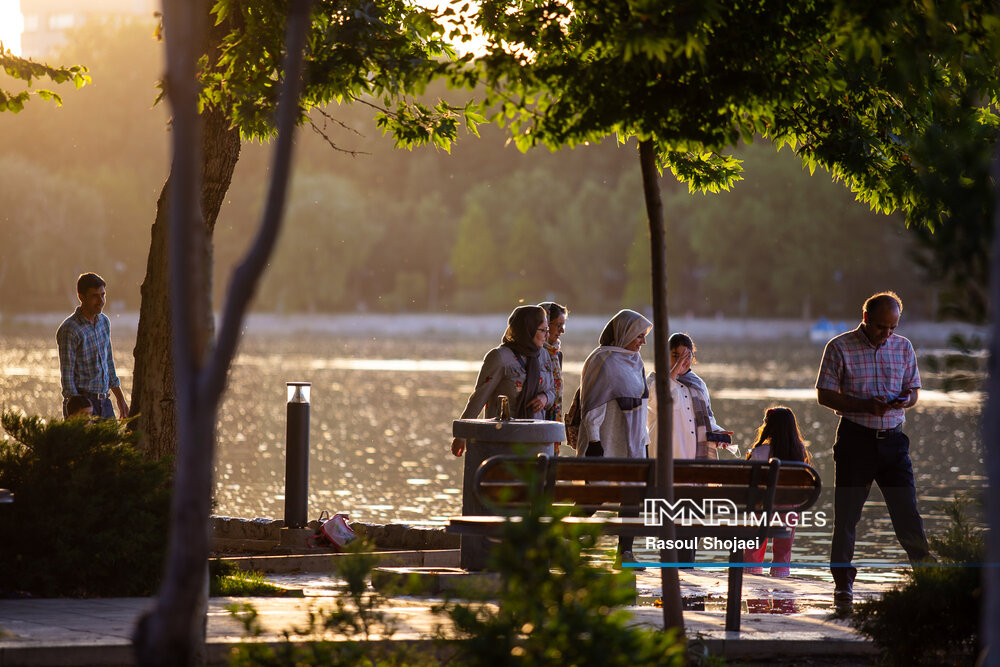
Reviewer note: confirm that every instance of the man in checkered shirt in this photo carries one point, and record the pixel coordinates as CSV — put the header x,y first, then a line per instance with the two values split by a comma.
x,y
869,377
86,364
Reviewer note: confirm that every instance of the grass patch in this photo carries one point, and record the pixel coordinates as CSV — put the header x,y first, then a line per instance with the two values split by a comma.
x,y
227,580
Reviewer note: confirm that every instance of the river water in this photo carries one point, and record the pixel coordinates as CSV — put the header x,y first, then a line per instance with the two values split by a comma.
x,y
382,407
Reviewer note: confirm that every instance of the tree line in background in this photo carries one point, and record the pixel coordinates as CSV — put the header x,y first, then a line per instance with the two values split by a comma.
x,y
476,230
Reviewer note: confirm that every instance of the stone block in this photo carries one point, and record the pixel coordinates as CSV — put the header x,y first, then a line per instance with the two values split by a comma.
x,y
402,536
441,558
296,538
227,527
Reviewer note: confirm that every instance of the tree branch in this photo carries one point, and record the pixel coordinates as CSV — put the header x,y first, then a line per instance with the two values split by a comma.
x,y
322,132
247,274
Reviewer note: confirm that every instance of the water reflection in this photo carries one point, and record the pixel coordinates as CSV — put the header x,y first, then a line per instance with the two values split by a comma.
x,y
767,605
928,397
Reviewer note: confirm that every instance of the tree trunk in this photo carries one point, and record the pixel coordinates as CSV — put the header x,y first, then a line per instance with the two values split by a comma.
x,y
989,628
173,632
673,616
153,397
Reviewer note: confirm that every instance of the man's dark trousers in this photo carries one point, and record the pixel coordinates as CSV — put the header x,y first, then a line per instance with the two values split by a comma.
x,y
862,458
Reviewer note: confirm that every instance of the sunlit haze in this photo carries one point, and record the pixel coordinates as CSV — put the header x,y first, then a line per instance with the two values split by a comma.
x,y
11,24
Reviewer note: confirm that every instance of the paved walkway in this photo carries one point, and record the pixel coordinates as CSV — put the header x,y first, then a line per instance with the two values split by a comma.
x,y
782,618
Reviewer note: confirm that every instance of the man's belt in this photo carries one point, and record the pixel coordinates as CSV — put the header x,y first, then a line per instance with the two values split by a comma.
x,y
94,394
878,433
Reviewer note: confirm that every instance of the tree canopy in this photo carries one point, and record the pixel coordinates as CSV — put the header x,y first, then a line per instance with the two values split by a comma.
x,y
870,94
381,52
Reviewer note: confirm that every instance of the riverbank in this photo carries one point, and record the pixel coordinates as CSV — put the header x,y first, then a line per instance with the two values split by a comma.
x,y
452,326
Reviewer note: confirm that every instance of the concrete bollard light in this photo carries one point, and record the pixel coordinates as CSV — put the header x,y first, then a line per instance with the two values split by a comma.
x,y
297,455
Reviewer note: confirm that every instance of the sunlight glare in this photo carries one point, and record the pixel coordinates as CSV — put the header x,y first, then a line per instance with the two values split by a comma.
x,y
11,25
477,45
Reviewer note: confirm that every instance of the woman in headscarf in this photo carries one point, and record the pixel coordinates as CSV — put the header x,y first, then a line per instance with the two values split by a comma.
x,y
613,391
557,327
613,395
519,368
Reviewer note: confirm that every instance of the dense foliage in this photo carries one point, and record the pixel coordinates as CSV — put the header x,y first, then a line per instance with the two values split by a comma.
x,y
411,249
899,101
934,617
383,51
90,512
844,84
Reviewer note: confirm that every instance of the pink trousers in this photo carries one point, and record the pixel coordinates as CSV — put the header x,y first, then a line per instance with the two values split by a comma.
x,y
781,552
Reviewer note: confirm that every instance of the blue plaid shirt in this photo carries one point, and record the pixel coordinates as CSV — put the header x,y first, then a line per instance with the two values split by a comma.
x,y
854,367
85,360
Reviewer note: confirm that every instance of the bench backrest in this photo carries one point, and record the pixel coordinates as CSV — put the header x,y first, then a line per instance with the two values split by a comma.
x,y
502,482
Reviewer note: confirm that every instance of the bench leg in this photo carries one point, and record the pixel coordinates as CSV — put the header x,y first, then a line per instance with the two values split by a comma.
x,y
734,598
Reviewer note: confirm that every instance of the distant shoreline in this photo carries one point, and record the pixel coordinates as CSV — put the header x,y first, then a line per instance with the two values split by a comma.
x,y
444,326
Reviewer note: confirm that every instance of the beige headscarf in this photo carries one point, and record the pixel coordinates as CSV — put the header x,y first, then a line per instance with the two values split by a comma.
x,y
612,373
624,328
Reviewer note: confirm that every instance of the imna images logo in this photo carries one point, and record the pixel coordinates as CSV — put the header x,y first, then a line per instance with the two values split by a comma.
x,y
723,512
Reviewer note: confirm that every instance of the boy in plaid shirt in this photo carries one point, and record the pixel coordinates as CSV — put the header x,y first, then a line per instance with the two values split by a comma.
x,y
86,363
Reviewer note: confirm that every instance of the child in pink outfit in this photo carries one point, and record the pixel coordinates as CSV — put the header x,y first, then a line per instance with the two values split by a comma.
x,y
778,437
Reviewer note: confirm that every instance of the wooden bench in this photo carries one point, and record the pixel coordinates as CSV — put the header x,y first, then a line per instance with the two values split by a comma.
x,y
623,485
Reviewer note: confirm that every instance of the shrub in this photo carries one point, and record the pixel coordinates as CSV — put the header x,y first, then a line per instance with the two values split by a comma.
x,y
933,618
553,608
90,515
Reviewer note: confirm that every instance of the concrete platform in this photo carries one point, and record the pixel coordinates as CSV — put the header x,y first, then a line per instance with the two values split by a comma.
x,y
783,619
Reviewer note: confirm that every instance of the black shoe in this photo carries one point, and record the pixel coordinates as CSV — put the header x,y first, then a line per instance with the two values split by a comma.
x,y
629,557
843,598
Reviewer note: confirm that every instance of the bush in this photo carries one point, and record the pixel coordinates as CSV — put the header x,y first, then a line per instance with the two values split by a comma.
x,y
90,515
554,609
933,618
